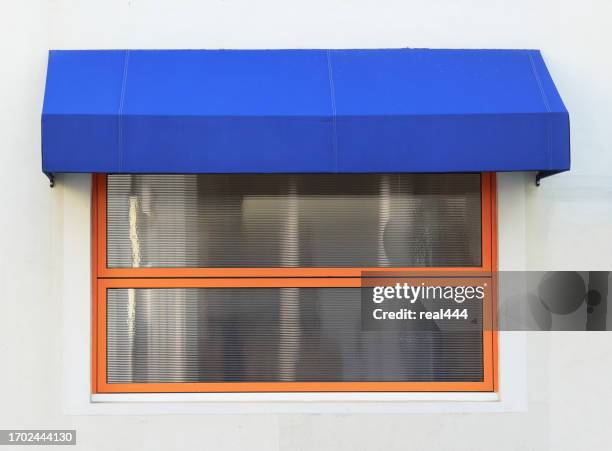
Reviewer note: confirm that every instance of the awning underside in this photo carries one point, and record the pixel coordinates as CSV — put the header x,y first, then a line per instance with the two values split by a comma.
x,y
265,111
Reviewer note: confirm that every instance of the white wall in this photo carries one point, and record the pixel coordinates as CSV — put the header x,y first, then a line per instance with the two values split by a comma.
x,y
566,223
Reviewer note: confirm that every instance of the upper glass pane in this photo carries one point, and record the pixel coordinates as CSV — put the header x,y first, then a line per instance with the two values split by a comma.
x,y
293,220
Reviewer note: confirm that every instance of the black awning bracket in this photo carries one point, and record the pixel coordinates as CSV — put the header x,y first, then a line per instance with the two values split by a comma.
x,y
51,178
543,174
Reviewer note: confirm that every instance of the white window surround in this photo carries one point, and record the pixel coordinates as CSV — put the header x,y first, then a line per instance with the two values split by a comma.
x,y
75,291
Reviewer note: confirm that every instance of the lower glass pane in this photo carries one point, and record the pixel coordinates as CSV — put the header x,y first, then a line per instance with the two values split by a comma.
x,y
272,335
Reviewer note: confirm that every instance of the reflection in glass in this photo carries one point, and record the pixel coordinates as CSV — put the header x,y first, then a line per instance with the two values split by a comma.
x,y
293,220
273,335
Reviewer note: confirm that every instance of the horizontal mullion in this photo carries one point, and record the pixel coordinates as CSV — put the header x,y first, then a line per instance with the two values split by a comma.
x,y
194,282
246,282
484,275
278,272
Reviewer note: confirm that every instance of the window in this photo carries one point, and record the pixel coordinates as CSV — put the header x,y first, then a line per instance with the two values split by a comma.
x,y
252,282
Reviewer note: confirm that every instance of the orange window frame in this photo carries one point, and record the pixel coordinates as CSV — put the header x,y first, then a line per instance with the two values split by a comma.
x,y
104,278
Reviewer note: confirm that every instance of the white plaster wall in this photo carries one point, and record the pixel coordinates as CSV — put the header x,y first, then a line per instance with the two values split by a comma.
x,y
564,224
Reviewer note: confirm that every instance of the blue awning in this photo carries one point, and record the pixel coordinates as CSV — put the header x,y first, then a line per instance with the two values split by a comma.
x,y
266,111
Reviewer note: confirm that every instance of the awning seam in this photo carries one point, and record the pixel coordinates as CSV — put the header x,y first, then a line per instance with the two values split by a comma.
x,y
539,82
120,113
333,107
546,104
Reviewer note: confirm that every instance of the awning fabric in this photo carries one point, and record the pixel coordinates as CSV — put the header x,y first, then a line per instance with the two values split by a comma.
x,y
265,111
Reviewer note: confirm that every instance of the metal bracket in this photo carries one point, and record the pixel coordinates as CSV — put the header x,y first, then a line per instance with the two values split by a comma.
x,y
51,178
543,174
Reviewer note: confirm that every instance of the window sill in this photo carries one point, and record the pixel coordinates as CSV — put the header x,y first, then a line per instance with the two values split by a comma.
x,y
296,403
298,397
